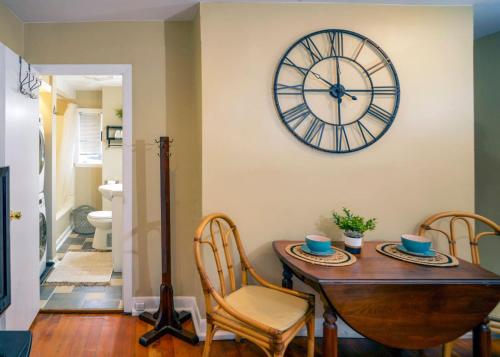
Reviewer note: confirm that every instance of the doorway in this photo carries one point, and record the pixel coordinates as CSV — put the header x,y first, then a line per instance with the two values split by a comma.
x,y
88,240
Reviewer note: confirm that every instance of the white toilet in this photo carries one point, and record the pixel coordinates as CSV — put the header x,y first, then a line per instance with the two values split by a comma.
x,y
101,220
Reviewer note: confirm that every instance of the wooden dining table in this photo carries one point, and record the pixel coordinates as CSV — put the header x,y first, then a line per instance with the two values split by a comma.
x,y
399,304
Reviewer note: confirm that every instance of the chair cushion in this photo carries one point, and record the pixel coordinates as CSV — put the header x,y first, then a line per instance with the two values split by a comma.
x,y
495,314
271,307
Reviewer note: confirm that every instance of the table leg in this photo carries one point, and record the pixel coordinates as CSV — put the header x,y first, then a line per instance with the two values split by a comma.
x,y
481,340
330,342
287,281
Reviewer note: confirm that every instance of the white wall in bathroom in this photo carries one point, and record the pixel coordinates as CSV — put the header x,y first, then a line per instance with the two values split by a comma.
x,y
112,157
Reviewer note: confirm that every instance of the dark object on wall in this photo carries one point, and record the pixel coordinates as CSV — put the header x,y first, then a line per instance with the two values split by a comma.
x,y
15,343
81,224
336,91
5,290
29,82
166,320
114,135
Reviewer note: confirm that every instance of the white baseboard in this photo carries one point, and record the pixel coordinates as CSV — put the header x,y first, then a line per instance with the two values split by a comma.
x,y
188,303
64,235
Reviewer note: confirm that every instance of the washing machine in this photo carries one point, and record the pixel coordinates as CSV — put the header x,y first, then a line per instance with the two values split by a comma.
x,y
41,156
43,232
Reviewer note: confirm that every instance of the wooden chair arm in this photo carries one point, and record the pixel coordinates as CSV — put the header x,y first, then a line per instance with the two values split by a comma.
x,y
299,294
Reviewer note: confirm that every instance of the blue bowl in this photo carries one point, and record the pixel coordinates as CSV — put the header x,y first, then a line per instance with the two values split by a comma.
x,y
318,243
416,244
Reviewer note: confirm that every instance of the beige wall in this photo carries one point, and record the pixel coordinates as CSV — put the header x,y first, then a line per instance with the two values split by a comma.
x,y
143,46
87,182
184,126
487,125
274,186
89,99
11,30
112,157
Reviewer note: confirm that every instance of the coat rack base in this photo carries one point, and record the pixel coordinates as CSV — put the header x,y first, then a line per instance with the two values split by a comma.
x,y
155,334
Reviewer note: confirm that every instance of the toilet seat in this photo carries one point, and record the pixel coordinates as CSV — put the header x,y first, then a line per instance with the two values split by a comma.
x,y
101,215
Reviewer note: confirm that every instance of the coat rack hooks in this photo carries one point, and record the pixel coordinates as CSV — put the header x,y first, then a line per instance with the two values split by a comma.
x,y
160,143
29,83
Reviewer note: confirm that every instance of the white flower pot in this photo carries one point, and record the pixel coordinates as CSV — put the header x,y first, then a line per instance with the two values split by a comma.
x,y
353,242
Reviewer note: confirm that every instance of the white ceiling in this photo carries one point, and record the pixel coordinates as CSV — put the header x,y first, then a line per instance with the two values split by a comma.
x,y
75,83
486,15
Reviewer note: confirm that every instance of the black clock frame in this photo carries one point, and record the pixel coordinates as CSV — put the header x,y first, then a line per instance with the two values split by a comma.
x,y
362,38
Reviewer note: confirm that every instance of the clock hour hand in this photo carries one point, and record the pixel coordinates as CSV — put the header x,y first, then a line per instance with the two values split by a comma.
x,y
359,90
353,97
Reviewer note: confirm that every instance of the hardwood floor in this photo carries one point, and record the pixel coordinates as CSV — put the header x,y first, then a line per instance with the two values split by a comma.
x,y
117,335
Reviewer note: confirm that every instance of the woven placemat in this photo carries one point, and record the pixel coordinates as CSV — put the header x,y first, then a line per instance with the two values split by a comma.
x,y
337,259
440,260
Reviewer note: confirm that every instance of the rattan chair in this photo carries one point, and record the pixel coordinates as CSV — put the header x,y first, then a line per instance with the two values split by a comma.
x,y
265,314
452,218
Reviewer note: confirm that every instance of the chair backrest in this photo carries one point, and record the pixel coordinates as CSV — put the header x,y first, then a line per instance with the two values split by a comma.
x,y
466,218
218,230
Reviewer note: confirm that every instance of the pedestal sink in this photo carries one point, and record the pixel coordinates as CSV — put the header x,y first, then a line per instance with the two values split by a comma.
x,y
114,193
111,190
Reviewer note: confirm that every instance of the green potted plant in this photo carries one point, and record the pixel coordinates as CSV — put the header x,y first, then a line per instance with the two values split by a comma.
x,y
119,113
354,227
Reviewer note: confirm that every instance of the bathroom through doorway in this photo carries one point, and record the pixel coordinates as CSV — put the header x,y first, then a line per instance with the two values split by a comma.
x,y
85,141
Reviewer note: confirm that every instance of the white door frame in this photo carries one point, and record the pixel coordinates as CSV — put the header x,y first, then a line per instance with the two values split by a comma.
x,y
125,70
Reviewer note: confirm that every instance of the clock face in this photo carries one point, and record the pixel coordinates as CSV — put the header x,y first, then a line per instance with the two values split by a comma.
x,y
336,91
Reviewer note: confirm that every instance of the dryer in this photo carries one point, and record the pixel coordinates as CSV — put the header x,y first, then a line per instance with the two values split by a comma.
x,y
41,156
43,232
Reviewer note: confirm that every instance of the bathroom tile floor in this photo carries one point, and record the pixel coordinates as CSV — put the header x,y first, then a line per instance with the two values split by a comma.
x,y
74,297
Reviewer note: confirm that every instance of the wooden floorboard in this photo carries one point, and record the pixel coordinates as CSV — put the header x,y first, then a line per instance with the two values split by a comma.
x,y
117,335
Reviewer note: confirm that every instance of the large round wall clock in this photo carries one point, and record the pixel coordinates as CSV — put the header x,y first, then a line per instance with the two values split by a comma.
x,y
336,90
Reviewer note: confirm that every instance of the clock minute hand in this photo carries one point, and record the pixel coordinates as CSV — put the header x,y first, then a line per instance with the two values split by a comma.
x,y
317,90
338,70
321,78
325,90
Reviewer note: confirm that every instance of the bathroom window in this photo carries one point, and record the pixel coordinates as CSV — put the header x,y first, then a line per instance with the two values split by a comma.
x,y
89,137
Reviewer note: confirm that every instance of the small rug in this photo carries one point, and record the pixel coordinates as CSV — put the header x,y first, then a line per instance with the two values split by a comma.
x,y
440,260
339,258
83,268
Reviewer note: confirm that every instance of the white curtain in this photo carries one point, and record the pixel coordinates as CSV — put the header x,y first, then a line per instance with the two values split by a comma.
x,y
65,179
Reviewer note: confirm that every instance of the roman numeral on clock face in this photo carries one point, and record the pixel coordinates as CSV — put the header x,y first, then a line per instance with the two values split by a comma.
x,y
376,67
341,139
336,43
364,130
385,90
287,61
285,89
358,50
312,49
296,115
380,113
315,131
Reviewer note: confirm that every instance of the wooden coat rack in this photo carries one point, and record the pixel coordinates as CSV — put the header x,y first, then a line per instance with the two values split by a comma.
x,y
166,320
